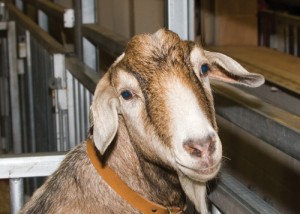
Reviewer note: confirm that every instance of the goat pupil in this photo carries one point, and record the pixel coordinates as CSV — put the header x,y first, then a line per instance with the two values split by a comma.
x,y
204,68
126,95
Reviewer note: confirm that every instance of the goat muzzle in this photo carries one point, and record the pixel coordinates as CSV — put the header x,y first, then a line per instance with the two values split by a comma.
x,y
200,148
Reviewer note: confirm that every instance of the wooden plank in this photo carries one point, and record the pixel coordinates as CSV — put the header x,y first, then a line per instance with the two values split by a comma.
x,y
235,22
278,68
42,36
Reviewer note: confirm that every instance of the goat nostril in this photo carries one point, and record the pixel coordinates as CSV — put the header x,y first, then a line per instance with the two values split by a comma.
x,y
212,146
191,149
200,148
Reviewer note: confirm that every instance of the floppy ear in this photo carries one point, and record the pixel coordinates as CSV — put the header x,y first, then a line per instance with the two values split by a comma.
x,y
228,70
104,116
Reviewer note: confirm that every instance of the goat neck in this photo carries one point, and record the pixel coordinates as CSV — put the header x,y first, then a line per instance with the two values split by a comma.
x,y
154,182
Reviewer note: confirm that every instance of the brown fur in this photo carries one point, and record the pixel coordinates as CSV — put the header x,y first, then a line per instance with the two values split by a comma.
x,y
77,188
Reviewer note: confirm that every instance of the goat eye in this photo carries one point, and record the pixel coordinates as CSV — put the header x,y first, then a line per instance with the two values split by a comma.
x,y
204,68
127,95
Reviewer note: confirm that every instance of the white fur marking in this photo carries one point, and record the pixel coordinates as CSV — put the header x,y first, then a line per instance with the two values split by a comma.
x,y
187,119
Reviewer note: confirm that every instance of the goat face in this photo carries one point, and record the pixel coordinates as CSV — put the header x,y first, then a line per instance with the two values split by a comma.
x,y
160,85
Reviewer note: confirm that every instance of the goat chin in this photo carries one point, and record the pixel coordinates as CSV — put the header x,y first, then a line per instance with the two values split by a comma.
x,y
196,191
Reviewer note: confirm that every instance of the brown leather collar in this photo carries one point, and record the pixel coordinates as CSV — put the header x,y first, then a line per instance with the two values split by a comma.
x,y
115,182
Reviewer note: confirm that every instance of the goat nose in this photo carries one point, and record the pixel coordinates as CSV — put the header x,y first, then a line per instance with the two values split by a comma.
x,y
200,147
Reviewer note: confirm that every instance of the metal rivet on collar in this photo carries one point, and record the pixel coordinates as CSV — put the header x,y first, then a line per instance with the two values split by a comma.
x,y
154,210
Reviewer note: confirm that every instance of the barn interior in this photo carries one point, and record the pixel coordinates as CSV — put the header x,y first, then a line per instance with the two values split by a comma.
x,y
53,53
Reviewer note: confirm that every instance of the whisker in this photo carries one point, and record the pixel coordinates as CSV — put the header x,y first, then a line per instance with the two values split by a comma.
x,y
227,158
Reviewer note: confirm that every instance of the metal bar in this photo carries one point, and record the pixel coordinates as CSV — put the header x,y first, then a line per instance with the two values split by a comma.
x,y
71,110
19,4
231,196
77,28
43,20
181,18
14,88
277,127
191,20
88,15
29,165
178,18
61,99
77,108
88,11
215,210
90,53
89,99
43,37
3,13
5,121
30,98
81,112
16,194
3,26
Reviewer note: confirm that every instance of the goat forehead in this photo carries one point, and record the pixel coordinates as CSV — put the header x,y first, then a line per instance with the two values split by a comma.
x,y
148,54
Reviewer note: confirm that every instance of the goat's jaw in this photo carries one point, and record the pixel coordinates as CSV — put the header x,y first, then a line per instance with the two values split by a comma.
x,y
200,174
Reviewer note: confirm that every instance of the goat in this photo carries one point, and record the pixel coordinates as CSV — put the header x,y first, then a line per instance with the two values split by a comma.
x,y
153,125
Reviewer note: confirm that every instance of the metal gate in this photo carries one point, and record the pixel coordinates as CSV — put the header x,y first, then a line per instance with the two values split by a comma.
x,y
53,106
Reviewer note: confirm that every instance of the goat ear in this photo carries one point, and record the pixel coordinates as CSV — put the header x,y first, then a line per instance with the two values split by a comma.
x,y
228,70
104,112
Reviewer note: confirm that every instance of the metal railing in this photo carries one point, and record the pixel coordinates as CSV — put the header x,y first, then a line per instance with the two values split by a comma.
x,y
63,115
16,167
279,31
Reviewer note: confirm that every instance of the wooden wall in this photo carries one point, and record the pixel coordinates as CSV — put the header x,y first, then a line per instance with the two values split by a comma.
x,y
131,17
231,22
